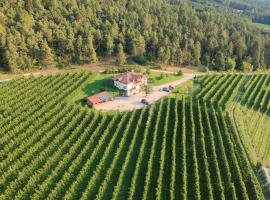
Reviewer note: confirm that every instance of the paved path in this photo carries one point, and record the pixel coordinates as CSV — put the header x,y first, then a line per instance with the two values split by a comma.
x,y
134,102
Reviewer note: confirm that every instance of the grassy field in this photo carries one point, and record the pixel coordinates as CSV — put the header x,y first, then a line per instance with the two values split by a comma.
x,y
159,78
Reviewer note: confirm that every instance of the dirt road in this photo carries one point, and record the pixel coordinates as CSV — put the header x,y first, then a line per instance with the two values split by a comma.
x,y
134,102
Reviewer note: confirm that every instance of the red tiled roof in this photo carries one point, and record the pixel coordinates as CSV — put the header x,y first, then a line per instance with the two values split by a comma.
x,y
128,77
99,98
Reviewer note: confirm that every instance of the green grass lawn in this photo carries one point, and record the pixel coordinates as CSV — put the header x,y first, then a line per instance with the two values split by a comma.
x,y
96,83
155,78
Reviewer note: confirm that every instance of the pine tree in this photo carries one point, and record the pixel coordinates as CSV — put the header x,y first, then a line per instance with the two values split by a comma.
x,y
230,49
230,64
91,52
109,45
197,53
164,55
79,46
138,48
179,57
219,63
121,57
256,53
240,46
239,63
11,57
46,55
206,60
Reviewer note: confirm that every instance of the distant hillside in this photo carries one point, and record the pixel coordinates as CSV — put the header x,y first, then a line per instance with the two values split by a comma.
x,y
257,10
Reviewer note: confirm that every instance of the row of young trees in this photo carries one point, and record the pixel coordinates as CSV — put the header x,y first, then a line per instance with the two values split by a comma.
x,y
257,93
220,90
46,33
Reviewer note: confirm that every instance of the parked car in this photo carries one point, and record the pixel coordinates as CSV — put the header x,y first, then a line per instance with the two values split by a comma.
x,y
144,101
165,89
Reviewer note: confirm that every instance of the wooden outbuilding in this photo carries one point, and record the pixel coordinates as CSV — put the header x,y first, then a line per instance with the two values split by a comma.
x,y
99,98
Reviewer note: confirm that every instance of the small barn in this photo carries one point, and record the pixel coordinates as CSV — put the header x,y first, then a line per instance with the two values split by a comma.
x,y
99,98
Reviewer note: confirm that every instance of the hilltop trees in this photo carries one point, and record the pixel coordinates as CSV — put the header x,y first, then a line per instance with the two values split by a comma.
x,y
155,31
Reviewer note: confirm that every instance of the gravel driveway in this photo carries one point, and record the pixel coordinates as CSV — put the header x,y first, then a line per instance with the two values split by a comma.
x,y
134,102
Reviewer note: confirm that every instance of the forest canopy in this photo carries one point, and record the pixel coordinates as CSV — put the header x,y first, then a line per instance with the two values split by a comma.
x,y
257,10
44,33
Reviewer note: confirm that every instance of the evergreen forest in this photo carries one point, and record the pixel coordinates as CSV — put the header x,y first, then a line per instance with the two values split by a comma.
x,y
45,33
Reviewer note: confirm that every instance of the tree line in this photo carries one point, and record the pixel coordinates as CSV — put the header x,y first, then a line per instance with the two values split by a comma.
x,y
35,34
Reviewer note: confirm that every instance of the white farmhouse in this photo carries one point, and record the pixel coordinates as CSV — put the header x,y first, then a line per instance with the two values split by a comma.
x,y
130,82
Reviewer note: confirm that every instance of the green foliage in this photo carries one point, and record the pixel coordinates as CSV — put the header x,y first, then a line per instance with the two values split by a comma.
x,y
230,64
257,10
252,111
247,67
176,148
180,73
253,117
155,31
121,57
45,56
148,71
220,90
148,89
91,52
197,53
162,76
